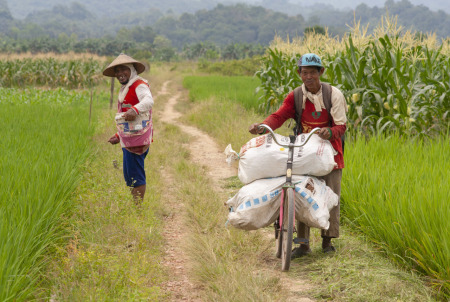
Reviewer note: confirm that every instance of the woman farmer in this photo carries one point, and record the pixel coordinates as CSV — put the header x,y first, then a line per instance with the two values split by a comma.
x,y
133,119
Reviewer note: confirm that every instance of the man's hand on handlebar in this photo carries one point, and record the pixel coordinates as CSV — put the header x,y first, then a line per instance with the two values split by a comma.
x,y
253,129
325,133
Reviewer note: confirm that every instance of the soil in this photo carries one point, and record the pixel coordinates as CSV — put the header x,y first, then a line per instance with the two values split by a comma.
x,y
205,152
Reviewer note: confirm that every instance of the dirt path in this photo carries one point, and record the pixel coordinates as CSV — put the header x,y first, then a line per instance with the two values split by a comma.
x,y
205,152
203,149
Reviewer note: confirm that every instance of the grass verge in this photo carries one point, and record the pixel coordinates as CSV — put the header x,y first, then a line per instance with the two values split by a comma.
x,y
224,261
115,248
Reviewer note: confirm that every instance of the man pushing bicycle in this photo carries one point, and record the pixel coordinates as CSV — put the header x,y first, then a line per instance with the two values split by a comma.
x,y
315,104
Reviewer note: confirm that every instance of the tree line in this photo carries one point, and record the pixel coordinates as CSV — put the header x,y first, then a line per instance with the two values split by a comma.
x,y
232,31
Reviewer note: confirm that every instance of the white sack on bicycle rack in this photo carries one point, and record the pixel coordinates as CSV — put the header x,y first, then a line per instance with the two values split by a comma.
x,y
313,201
256,205
261,157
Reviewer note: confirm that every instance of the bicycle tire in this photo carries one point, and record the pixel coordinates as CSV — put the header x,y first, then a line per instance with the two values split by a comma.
x,y
287,229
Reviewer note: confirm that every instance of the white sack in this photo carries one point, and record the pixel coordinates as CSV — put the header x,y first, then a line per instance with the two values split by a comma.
x,y
257,204
261,157
313,201
232,156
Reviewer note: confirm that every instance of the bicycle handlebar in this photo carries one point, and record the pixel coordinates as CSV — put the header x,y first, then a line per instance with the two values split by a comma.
x,y
264,126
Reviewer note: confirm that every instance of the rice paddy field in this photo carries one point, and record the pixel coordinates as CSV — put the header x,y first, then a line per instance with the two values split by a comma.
x,y
240,89
395,191
45,142
395,183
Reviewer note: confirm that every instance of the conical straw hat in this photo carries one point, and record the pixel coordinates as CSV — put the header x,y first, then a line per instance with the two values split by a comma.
x,y
120,60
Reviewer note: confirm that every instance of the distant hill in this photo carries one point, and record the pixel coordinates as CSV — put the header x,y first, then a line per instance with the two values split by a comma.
x,y
101,8
305,7
221,24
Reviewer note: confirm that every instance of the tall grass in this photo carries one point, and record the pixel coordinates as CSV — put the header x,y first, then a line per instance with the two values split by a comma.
x,y
43,144
241,89
395,190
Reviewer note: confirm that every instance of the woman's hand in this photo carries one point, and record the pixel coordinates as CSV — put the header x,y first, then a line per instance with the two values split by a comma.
x,y
114,140
130,115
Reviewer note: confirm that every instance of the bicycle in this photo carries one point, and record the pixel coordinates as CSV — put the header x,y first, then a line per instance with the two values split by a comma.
x,y
284,228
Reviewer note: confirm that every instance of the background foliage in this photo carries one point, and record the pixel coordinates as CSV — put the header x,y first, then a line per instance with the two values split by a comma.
x,y
392,82
156,33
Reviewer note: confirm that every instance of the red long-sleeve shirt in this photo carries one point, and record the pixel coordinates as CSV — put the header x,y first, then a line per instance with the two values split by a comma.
x,y
287,111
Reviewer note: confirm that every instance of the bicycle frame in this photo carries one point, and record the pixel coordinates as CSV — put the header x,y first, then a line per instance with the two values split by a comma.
x,y
290,161
288,183
284,229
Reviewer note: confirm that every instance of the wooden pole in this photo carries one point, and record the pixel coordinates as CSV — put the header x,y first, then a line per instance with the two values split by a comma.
x,y
112,93
90,109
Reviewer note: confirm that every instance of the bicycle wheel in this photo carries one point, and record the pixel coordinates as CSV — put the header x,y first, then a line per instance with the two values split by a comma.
x,y
287,229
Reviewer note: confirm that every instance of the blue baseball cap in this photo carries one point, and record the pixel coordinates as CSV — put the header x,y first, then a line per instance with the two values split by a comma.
x,y
309,59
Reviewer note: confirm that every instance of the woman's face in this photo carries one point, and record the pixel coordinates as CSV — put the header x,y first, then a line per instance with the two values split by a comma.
x,y
122,74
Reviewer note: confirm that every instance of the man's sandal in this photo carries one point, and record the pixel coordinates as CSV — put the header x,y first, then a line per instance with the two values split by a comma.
x,y
299,252
329,249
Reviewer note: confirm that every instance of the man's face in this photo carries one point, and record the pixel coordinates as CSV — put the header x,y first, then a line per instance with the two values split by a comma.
x,y
311,78
122,74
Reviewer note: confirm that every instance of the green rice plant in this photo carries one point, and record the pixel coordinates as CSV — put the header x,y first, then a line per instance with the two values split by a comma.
x,y
241,67
241,89
395,191
44,141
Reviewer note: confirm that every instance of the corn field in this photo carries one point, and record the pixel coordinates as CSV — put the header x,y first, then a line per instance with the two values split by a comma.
x,y
393,82
50,72
44,143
